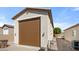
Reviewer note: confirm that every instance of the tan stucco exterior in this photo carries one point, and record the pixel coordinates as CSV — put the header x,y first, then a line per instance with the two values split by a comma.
x,y
9,36
68,33
46,26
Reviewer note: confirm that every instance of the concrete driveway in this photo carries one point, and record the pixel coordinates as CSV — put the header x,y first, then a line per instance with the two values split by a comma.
x,y
19,48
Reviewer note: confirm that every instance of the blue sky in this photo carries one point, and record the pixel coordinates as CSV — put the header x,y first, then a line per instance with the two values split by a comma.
x,y
63,17
6,14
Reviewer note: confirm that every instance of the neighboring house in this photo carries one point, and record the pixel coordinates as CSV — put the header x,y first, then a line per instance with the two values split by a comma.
x,y
0,30
72,33
7,33
33,27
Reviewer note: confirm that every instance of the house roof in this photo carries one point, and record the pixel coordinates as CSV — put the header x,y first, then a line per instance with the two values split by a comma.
x,y
72,27
21,12
9,26
39,9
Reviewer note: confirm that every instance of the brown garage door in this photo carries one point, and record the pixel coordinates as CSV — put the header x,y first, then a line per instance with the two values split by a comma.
x,y
29,32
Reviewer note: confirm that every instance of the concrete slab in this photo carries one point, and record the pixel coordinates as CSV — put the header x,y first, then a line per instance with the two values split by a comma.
x,y
19,48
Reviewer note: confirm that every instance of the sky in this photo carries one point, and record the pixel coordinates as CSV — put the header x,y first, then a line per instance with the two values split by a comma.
x,y
6,14
63,17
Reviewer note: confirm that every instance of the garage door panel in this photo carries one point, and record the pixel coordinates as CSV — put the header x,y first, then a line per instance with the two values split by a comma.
x,y
29,32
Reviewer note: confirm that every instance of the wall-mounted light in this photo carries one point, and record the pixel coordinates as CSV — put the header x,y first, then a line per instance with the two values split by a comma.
x,y
43,34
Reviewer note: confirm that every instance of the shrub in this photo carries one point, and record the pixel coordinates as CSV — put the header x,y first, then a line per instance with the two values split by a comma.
x,y
57,30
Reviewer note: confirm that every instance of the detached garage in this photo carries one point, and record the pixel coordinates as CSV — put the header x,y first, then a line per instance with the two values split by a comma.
x,y
33,27
30,35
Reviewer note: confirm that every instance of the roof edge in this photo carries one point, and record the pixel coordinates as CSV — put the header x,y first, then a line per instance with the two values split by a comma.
x,y
72,26
9,26
24,10
29,8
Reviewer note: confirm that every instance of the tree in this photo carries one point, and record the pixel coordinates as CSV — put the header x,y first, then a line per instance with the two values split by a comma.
x,y
57,30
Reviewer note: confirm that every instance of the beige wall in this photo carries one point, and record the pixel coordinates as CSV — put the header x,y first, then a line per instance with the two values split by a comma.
x,y
0,31
69,35
9,37
46,26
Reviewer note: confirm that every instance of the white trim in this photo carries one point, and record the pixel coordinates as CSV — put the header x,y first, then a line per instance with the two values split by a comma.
x,y
5,31
29,18
16,31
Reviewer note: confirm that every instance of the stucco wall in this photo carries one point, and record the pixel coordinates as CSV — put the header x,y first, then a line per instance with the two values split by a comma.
x,y
69,35
16,32
46,27
9,37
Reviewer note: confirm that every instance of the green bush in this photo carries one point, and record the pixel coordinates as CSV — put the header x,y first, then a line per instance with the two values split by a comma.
x,y
57,30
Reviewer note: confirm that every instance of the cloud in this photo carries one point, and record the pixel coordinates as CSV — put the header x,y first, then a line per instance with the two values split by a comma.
x,y
1,24
4,20
76,9
2,17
